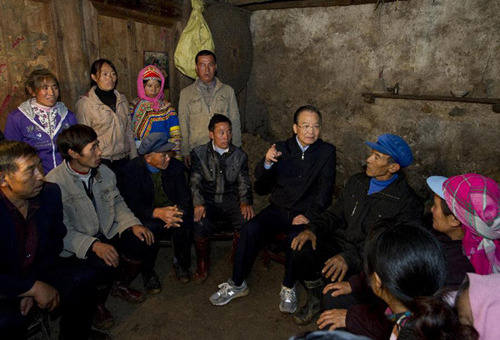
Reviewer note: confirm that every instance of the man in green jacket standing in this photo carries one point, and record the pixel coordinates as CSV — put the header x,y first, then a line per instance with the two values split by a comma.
x,y
200,101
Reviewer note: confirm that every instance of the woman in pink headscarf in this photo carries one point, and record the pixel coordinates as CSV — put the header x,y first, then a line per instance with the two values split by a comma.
x,y
474,200
151,112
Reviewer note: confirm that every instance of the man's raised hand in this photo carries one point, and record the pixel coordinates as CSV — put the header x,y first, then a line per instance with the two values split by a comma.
x,y
272,155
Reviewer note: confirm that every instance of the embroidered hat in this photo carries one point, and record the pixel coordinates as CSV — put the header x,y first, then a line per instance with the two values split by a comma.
x,y
394,146
151,72
155,142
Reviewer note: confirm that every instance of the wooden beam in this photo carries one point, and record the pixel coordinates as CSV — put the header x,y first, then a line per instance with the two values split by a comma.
x,y
246,2
161,13
255,5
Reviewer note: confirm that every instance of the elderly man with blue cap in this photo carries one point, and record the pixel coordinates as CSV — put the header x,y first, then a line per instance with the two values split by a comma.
x,y
331,246
157,194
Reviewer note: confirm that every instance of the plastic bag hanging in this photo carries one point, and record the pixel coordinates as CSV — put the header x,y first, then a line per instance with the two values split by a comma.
x,y
195,37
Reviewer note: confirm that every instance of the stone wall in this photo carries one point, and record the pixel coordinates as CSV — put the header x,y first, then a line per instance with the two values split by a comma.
x,y
329,56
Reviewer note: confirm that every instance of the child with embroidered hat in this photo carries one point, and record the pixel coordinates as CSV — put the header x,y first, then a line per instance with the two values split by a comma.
x,y
151,112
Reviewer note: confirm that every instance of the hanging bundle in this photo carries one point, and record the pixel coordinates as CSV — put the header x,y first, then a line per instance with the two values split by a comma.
x,y
195,37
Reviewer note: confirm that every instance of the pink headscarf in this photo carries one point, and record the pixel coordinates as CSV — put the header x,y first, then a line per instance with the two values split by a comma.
x,y
150,72
484,297
475,201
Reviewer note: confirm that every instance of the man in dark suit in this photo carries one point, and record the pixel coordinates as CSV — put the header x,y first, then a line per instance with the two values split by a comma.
x,y
299,173
158,195
32,275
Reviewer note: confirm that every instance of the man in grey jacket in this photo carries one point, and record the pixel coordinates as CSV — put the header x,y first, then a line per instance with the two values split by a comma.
x,y
102,231
221,189
200,101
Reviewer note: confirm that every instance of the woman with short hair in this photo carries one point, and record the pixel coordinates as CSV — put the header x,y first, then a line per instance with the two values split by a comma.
x,y
39,120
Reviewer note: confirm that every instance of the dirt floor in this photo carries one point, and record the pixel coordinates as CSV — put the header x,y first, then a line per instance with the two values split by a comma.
x,y
183,311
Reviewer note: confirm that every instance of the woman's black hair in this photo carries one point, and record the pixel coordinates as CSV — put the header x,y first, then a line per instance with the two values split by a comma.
x,y
408,260
463,287
445,208
412,268
145,81
96,68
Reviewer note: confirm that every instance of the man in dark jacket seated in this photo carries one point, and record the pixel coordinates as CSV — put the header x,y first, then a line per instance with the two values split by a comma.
x,y
337,236
221,188
300,175
32,275
158,195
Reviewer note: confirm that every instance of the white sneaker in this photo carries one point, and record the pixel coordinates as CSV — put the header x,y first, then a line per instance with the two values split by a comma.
x,y
228,291
288,302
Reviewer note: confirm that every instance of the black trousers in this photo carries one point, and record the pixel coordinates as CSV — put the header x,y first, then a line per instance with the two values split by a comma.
x,y
118,167
255,234
128,245
181,239
308,262
76,284
228,212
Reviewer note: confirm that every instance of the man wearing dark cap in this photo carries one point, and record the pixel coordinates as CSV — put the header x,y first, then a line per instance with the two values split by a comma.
x,y
337,236
158,195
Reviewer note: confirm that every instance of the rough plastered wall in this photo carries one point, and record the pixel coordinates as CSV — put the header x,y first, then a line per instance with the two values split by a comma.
x,y
329,56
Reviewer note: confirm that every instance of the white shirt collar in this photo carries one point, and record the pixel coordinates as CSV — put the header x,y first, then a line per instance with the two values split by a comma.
x,y
219,150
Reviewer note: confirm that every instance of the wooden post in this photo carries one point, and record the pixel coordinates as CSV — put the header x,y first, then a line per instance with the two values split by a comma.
x,y
71,44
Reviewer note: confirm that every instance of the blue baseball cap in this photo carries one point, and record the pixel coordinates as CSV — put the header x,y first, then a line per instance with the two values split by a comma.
x,y
155,142
436,184
394,146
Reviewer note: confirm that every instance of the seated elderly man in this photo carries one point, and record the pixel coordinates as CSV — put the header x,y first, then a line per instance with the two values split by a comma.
x,y
102,231
300,175
32,275
158,195
332,244
221,188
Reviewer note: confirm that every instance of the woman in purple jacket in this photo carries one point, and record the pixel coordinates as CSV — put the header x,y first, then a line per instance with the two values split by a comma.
x,y
39,120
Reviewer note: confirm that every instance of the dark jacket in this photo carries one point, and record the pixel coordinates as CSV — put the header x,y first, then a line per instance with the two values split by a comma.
x,y
347,222
299,183
216,178
457,264
139,189
50,230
